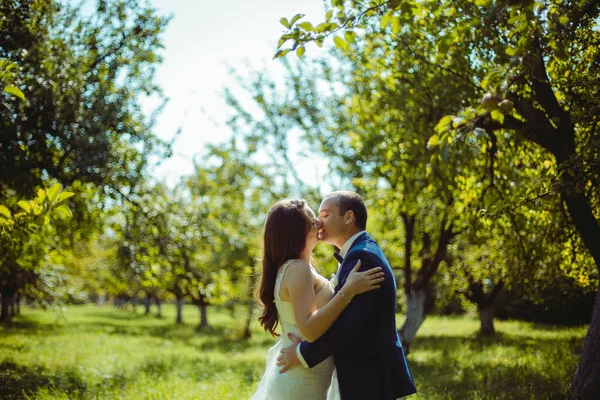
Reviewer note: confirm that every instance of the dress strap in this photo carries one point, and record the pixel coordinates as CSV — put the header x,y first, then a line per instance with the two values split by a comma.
x,y
280,274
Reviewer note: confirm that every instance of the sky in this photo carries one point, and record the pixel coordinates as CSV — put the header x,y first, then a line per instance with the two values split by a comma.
x,y
202,39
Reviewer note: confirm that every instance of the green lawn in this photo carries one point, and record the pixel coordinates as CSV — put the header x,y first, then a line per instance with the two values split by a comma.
x,y
103,353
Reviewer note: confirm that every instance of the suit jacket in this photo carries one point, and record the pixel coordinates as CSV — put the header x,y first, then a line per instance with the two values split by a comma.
x,y
364,341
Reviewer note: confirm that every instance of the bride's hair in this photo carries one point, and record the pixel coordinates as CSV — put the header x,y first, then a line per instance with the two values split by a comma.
x,y
284,239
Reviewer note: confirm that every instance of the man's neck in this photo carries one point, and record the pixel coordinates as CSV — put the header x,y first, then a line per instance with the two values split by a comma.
x,y
347,236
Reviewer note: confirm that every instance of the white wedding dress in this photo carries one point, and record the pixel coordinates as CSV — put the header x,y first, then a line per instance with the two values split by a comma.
x,y
298,383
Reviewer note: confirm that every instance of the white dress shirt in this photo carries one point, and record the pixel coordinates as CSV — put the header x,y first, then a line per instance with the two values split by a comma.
x,y
343,251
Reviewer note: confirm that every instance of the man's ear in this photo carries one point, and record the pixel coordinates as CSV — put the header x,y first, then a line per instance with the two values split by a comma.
x,y
349,217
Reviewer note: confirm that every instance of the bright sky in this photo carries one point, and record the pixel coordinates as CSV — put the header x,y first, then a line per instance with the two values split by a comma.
x,y
204,37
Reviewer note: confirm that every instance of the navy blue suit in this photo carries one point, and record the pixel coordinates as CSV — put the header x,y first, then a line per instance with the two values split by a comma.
x,y
364,341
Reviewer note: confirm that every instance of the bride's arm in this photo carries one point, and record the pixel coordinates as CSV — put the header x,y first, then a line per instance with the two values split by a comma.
x,y
313,322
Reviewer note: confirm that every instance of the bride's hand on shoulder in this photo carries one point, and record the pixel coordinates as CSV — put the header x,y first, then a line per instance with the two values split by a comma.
x,y
360,282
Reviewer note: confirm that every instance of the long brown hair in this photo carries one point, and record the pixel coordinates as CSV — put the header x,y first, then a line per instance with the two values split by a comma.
x,y
284,239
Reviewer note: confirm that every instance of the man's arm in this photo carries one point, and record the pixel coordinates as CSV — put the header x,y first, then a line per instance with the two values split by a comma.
x,y
347,327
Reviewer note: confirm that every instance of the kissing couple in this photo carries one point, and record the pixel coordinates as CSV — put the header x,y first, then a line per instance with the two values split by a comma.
x,y
338,337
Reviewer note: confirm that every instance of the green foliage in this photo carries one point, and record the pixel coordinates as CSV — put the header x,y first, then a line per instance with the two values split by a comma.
x,y
7,76
25,233
33,214
84,77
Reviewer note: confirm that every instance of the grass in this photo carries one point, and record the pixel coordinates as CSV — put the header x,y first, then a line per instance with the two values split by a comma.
x,y
103,353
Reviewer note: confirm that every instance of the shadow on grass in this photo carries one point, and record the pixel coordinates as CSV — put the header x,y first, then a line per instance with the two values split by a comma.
x,y
116,314
484,381
445,368
478,343
17,381
20,323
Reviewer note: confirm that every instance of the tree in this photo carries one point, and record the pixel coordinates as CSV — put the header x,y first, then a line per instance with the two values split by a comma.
x,y
234,194
21,260
537,64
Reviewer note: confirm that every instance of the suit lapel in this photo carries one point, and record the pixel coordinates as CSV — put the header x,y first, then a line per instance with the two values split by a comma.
x,y
357,241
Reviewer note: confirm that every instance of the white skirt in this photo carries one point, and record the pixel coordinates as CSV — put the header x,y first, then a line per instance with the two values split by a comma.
x,y
298,383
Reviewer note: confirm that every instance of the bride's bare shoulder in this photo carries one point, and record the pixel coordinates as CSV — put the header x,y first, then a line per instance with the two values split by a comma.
x,y
299,266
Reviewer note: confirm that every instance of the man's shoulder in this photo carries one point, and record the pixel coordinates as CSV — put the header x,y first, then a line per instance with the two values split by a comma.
x,y
365,243
365,250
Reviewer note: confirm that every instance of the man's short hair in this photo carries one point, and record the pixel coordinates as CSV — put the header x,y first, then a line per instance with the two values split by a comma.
x,y
347,200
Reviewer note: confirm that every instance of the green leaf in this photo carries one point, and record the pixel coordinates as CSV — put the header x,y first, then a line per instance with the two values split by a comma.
x,y
41,195
512,51
300,52
281,53
395,24
53,192
285,22
445,43
497,116
63,211
385,20
4,211
340,43
63,196
322,27
328,15
433,141
25,206
15,91
296,18
307,26
42,220
282,42
350,36
559,49
37,208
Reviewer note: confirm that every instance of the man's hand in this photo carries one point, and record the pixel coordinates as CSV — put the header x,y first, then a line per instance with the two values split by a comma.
x,y
287,356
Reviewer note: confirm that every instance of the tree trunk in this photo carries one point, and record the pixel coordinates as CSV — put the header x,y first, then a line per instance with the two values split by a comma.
x,y
18,302
202,306
4,315
158,308
147,304
179,303
247,332
486,317
204,317
134,302
587,226
586,382
7,294
12,306
415,315
485,303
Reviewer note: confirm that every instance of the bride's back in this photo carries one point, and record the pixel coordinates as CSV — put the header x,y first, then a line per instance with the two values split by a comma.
x,y
322,287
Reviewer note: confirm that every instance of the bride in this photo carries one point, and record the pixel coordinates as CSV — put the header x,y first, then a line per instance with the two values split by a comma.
x,y
294,295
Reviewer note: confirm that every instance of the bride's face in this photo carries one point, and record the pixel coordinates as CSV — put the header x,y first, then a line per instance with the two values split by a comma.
x,y
311,236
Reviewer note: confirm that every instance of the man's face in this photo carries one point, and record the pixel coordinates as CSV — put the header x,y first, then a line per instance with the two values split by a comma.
x,y
311,237
331,223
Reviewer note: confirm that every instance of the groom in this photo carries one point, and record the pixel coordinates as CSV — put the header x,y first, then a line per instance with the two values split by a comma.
x,y
364,341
